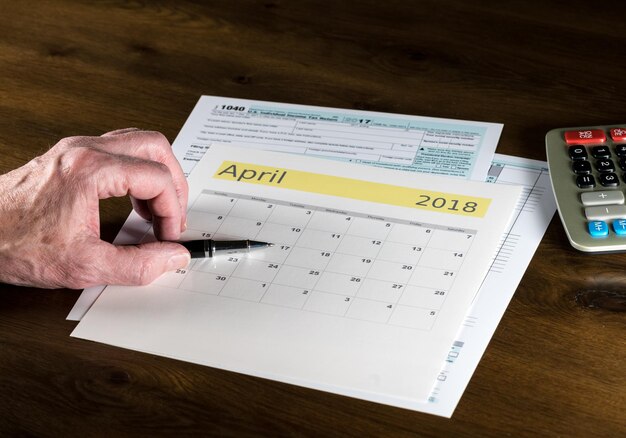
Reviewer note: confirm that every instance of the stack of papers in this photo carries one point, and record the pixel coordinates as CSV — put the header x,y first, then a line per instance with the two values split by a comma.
x,y
387,278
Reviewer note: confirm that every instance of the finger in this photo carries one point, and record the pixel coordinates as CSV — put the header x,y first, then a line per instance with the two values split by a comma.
x,y
138,264
144,180
151,145
119,131
141,207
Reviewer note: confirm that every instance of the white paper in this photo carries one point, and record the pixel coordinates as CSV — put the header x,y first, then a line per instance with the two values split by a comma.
x,y
323,343
499,286
455,148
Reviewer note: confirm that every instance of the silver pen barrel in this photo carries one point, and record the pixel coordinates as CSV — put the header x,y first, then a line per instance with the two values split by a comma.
x,y
211,248
218,247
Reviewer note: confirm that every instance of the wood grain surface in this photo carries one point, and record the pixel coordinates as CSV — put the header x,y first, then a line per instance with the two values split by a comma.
x,y
555,366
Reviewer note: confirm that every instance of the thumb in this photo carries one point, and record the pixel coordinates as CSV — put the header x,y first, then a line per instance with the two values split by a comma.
x,y
141,264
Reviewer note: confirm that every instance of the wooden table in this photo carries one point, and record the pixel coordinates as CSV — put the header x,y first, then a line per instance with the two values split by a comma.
x,y
555,366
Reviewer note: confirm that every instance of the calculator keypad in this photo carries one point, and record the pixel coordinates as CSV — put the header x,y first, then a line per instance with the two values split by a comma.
x,y
588,170
601,206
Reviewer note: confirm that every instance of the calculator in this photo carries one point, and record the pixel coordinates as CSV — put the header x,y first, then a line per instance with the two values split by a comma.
x,y
588,173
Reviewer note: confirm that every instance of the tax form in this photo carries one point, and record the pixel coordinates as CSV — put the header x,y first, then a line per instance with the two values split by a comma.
x,y
456,148
371,275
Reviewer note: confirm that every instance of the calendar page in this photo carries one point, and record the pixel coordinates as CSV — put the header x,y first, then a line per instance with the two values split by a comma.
x,y
368,281
455,148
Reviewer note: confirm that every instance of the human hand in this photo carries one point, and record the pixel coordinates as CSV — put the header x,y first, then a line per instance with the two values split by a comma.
x,y
49,212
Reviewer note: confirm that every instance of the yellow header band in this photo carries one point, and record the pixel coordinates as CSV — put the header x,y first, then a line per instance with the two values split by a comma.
x,y
353,189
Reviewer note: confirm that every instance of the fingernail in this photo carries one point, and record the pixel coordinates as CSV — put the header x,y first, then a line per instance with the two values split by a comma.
x,y
183,228
178,261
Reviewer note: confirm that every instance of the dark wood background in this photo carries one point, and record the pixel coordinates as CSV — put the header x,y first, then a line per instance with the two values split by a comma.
x,y
555,366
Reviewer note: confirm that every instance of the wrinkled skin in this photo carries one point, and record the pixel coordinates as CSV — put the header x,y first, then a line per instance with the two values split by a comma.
x,y
49,212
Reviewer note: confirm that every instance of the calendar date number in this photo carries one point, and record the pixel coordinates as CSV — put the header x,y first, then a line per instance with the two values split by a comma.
x,y
447,204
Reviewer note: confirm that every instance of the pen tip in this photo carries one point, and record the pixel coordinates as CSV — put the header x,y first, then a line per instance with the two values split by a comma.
x,y
257,244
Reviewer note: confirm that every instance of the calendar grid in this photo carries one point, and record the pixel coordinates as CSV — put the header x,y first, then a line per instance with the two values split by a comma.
x,y
406,284
295,243
356,292
340,263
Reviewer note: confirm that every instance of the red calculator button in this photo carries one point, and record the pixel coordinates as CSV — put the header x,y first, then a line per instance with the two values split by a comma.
x,y
618,134
585,136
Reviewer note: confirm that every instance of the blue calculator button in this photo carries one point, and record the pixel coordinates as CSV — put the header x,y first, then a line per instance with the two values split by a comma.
x,y
619,225
598,229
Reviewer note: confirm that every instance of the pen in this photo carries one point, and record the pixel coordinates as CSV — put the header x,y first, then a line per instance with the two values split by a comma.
x,y
210,248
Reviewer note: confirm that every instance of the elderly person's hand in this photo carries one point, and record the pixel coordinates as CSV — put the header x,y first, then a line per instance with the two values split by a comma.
x,y
49,212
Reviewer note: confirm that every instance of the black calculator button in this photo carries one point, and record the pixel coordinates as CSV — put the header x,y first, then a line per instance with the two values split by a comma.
x,y
622,163
582,167
577,153
609,180
605,166
585,181
600,152
620,150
